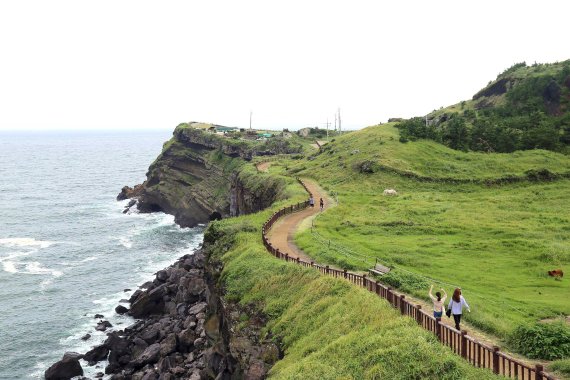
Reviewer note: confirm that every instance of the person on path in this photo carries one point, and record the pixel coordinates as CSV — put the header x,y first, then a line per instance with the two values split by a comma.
x,y
311,202
322,203
437,302
456,306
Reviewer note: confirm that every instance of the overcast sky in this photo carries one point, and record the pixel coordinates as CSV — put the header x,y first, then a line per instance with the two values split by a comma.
x,y
142,64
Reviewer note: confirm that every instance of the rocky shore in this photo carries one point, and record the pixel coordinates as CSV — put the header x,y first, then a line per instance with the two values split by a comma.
x,y
184,331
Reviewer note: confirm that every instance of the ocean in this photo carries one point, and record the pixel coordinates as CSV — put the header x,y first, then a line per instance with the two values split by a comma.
x,y
67,252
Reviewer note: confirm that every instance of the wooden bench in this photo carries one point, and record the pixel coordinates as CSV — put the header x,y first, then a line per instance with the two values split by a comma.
x,y
379,269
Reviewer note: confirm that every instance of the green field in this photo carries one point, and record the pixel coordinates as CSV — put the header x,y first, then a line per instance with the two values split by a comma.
x,y
472,220
328,328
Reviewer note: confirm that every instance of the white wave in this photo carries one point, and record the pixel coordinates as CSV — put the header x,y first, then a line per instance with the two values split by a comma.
x,y
35,267
126,242
25,242
9,267
39,369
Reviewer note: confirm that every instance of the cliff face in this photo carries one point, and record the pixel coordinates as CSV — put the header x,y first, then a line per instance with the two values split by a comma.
x,y
197,178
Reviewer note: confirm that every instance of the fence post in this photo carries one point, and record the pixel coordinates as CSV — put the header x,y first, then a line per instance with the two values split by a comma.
x,y
278,253
378,287
419,314
438,328
495,360
312,263
463,344
538,375
327,269
287,257
297,261
402,305
344,273
364,281
389,295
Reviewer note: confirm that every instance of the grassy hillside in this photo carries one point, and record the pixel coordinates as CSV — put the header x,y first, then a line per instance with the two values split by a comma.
x,y
328,328
484,222
526,107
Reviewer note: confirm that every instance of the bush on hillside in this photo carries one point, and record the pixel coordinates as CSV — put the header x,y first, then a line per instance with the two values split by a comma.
x,y
546,341
532,114
367,167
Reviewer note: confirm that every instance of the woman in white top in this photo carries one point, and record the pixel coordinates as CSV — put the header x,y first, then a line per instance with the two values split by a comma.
x,y
456,306
437,302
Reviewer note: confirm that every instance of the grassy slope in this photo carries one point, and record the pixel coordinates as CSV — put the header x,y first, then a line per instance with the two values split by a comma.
x,y
495,242
328,328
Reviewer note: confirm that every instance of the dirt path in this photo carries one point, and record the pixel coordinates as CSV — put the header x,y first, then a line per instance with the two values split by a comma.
x,y
282,234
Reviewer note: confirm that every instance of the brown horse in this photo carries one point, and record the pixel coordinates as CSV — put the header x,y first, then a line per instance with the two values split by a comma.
x,y
556,273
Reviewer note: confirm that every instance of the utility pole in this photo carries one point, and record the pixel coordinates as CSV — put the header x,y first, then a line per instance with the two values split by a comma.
x,y
339,130
250,112
335,122
328,128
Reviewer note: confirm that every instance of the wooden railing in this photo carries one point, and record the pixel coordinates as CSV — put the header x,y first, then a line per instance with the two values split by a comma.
x,y
475,352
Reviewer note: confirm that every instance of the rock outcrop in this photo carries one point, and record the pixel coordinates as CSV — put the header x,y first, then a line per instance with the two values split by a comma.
x,y
196,179
183,332
66,368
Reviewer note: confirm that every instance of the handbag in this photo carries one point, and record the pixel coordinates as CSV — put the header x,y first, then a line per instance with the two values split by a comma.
x,y
448,311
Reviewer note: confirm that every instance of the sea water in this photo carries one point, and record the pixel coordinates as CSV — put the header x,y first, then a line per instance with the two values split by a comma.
x,y
67,252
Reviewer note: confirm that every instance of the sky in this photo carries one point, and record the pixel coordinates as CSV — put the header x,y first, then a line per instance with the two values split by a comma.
x,y
102,65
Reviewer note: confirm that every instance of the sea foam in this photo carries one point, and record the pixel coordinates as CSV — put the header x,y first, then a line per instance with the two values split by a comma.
x,y
25,242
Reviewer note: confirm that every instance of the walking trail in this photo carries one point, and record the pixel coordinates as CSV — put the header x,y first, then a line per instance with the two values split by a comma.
x,y
282,236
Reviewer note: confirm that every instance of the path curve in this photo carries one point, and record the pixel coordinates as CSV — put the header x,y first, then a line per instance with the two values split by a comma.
x,y
282,234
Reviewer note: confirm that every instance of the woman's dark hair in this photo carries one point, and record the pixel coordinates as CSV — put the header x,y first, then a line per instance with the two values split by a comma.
x,y
438,294
456,295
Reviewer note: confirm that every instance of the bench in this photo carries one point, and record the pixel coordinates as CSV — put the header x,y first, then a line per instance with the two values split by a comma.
x,y
379,269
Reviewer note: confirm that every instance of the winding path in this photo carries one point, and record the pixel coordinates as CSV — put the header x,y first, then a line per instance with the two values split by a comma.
x,y
282,234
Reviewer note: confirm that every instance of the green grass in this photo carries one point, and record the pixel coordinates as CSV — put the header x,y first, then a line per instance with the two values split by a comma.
x,y
429,159
496,242
328,328
562,367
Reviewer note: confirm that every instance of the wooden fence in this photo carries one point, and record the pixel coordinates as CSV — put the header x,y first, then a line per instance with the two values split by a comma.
x,y
477,353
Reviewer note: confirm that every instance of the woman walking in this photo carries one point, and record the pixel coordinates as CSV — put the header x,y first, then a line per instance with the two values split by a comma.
x,y
456,306
322,204
437,302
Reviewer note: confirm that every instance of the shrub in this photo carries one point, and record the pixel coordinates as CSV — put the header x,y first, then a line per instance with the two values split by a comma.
x,y
367,167
562,366
547,341
405,281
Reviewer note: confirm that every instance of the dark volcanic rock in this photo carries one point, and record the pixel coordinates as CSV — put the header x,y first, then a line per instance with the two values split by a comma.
x,y
497,88
86,337
149,303
182,333
150,355
103,325
129,192
121,309
66,368
162,275
96,354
